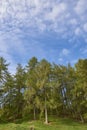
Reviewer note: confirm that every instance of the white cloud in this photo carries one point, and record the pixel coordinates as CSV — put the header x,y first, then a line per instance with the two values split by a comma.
x,y
60,59
81,7
10,45
73,21
85,27
78,31
56,12
51,15
67,19
9,59
65,52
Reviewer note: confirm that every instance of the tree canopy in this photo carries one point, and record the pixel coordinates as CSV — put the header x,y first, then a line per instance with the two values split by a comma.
x,y
41,89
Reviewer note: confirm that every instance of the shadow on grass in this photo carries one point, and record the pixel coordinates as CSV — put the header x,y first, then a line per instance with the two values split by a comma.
x,y
3,121
69,122
16,121
20,121
64,121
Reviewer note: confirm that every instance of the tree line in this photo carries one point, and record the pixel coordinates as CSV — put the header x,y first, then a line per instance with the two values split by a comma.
x,y
41,89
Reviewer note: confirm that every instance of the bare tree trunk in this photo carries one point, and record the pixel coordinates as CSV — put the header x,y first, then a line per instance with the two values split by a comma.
x,y
41,113
46,114
82,120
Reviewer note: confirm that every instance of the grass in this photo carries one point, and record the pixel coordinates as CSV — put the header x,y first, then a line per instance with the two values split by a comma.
x,y
55,124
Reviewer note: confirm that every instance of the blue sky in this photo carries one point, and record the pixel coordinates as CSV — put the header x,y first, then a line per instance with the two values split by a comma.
x,y
52,29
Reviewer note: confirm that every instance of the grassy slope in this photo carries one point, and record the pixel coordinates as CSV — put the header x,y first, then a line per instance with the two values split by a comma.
x,y
58,124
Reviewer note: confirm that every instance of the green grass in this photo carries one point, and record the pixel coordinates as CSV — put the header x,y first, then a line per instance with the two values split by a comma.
x,y
55,124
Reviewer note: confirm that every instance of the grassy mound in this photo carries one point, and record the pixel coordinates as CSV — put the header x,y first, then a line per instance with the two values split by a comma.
x,y
54,124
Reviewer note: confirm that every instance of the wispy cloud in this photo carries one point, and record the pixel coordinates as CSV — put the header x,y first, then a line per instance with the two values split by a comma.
x,y
23,23
53,15
65,52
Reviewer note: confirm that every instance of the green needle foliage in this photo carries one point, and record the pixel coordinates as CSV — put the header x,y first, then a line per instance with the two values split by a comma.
x,y
41,89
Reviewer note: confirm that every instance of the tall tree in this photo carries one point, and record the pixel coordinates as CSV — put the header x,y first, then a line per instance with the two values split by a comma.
x,y
3,75
31,80
8,97
3,70
19,77
80,90
43,71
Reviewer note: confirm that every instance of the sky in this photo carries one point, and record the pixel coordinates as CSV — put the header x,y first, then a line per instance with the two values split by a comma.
x,y
52,29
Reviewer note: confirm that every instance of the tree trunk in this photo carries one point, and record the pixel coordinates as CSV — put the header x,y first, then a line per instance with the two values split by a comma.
x,y
46,114
41,113
82,120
